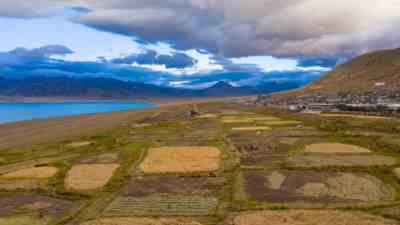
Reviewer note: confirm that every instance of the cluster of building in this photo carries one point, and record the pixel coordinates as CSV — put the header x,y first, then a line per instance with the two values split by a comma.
x,y
381,100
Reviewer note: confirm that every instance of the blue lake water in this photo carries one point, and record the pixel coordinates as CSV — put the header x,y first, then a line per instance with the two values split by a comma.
x,y
12,112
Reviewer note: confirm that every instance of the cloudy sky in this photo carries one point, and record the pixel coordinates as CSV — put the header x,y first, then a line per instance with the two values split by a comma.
x,y
191,43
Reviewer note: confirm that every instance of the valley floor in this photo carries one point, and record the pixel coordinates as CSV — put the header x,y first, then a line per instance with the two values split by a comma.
x,y
212,163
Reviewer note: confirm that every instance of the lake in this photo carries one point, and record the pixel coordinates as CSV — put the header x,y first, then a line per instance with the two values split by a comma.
x,y
12,112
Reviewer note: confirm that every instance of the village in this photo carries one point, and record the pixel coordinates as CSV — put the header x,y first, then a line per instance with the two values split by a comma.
x,y
373,101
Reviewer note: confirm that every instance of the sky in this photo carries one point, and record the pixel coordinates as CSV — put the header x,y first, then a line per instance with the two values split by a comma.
x,y
191,43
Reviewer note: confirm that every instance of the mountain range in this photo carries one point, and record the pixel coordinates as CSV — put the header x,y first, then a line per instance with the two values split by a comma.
x,y
108,88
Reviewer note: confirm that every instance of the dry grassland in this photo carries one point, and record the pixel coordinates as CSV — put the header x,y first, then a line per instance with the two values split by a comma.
x,y
333,148
89,176
181,159
78,144
251,128
303,217
140,221
36,172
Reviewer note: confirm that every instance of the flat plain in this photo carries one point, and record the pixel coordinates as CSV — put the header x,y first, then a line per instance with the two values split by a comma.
x,y
229,165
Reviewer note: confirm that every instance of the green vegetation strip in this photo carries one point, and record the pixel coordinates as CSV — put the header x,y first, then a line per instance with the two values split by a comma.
x,y
153,206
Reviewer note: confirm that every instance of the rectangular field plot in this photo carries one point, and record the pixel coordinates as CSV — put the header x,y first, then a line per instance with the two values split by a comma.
x,y
162,206
174,185
49,209
181,159
320,160
314,187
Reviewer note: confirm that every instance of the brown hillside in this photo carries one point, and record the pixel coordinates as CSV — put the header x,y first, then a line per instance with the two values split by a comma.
x,y
376,70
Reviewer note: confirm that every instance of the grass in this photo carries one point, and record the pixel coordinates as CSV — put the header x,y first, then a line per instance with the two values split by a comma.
x,y
162,206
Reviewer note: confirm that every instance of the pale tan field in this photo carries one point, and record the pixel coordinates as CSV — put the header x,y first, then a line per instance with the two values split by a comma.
x,y
36,172
265,118
26,184
181,159
236,120
275,180
349,186
251,128
304,217
207,116
341,160
353,116
281,123
397,172
78,144
140,221
333,148
89,176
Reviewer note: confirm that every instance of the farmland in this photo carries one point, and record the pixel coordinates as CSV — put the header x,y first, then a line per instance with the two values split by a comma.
x,y
229,165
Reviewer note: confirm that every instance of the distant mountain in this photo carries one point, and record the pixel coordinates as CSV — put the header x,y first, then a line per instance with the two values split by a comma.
x,y
107,88
226,89
372,71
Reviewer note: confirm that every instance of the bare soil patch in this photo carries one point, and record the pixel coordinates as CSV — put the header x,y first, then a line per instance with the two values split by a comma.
x,y
251,128
35,172
140,221
181,159
341,160
173,185
332,148
304,217
89,176
314,187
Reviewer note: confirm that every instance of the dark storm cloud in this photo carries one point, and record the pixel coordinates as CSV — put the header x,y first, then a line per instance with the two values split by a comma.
x,y
321,62
176,60
235,28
